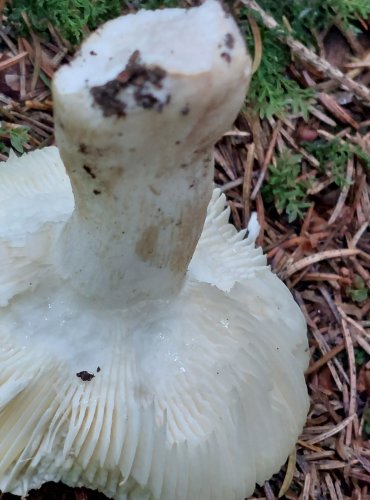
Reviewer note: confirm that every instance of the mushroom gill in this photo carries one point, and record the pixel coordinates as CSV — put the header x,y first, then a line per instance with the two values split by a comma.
x,y
148,351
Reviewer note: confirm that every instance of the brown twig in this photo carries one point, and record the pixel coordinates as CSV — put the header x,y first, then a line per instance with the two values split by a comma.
x,y
266,161
313,259
248,170
7,63
303,53
343,195
325,358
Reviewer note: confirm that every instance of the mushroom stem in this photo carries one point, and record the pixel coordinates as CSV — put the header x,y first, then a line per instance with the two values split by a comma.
x,y
136,227
135,131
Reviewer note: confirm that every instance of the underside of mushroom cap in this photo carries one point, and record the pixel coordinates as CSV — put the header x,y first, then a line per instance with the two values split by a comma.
x,y
197,397
36,199
148,351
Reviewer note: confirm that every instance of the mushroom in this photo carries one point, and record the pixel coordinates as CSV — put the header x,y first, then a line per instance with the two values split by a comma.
x,y
148,351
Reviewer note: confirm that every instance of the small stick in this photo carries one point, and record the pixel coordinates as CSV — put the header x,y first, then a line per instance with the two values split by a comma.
x,y
268,490
248,170
22,72
289,473
307,55
313,259
266,161
2,5
331,488
261,219
352,374
325,358
358,235
7,63
334,430
343,195
306,487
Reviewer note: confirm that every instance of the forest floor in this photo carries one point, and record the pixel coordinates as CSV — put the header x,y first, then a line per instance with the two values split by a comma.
x,y
313,206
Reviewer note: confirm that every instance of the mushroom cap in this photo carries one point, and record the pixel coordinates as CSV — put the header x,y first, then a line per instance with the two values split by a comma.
x,y
195,395
201,396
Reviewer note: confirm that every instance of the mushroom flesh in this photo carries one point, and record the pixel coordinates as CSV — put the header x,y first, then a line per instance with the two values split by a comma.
x,y
147,350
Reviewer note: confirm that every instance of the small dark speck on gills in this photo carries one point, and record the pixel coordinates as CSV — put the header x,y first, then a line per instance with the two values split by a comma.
x,y
85,376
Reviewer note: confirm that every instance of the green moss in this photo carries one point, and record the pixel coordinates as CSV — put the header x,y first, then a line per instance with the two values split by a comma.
x,y
361,356
333,157
304,17
72,18
283,187
272,92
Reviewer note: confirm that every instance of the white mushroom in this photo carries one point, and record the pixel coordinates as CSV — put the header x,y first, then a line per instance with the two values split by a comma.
x,y
147,349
